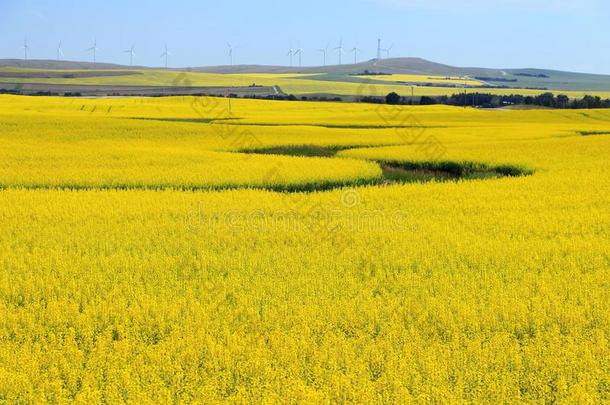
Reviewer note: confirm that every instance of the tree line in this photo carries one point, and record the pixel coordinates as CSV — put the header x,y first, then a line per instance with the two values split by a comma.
x,y
487,100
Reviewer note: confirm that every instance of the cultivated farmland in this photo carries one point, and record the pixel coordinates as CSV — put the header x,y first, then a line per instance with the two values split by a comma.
x,y
298,84
186,249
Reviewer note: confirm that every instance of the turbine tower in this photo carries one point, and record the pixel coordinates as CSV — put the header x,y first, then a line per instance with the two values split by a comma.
x,y
355,51
291,54
165,55
324,52
132,53
378,48
60,52
340,49
25,48
230,53
300,53
94,50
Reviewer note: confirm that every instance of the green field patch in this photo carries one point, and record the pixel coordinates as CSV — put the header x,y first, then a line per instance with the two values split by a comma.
x,y
185,120
592,133
300,150
405,172
448,170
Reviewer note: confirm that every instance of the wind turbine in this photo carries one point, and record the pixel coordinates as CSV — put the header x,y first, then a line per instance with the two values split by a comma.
x,y
340,49
60,52
165,55
300,53
387,51
230,53
291,54
94,49
25,48
379,49
324,52
132,53
355,51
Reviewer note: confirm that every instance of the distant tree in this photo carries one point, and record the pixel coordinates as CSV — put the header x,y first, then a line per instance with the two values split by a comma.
x,y
372,100
425,100
392,98
495,101
592,102
562,101
546,100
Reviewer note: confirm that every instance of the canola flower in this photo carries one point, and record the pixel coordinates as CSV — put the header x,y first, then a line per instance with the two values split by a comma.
x,y
469,291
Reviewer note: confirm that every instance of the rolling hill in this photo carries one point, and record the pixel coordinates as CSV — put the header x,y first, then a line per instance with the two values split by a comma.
x,y
60,64
516,78
512,78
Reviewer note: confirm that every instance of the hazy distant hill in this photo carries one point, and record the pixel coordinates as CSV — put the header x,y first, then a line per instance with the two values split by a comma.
x,y
534,78
395,65
521,78
61,64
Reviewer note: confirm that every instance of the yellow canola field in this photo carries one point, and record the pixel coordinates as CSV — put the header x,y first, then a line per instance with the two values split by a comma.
x,y
463,291
454,80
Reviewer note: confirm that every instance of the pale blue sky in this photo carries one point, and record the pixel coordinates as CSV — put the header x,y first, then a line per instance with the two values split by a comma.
x,y
557,34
